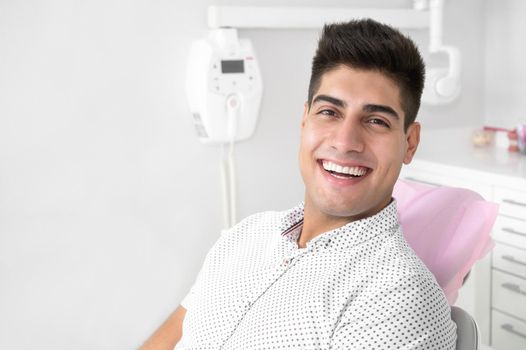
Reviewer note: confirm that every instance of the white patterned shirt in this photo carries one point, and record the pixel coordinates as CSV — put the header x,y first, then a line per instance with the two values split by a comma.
x,y
356,287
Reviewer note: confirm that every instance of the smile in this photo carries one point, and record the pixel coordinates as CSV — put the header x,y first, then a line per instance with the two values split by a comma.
x,y
343,172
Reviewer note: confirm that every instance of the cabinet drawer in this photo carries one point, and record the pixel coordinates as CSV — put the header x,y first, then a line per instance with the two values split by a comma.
x,y
512,202
507,333
509,294
510,259
510,231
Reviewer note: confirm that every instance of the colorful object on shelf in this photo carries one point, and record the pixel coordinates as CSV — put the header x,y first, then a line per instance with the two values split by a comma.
x,y
513,144
481,138
500,136
514,140
521,138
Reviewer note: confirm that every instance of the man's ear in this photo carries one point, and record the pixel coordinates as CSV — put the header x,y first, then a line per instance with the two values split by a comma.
x,y
412,136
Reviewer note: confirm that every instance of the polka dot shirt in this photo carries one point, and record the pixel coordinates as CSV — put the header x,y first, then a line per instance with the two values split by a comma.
x,y
356,287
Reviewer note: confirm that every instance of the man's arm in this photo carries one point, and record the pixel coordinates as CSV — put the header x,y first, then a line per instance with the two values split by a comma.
x,y
167,336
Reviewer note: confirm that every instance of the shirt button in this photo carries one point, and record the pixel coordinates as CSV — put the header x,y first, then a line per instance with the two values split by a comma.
x,y
285,262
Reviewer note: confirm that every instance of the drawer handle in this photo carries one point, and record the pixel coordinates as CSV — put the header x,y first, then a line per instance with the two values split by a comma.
x,y
513,260
513,202
513,287
509,328
424,182
515,232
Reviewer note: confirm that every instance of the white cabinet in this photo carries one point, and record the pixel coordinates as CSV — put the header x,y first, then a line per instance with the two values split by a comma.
x,y
508,300
510,259
509,230
507,332
496,290
512,202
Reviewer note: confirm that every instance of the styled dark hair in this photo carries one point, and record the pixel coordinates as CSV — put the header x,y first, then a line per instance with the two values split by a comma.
x,y
369,45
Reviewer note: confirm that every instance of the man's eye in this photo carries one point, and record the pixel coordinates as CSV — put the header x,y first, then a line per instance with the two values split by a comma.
x,y
328,112
379,121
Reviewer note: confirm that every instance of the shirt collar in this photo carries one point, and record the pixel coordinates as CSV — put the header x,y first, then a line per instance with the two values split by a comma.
x,y
292,219
347,236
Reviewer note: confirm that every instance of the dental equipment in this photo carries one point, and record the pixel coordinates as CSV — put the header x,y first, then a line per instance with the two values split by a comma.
x,y
224,89
442,84
223,69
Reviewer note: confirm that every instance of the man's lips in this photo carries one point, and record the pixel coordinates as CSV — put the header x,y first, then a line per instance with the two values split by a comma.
x,y
343,171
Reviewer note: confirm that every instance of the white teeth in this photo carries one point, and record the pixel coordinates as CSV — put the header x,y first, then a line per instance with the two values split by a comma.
x,y
355,170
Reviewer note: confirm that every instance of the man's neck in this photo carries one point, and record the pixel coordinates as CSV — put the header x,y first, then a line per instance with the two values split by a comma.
x,y
315,223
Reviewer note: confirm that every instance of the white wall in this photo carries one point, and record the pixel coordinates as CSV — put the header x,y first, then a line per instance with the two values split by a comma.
x,y
107,201
505,74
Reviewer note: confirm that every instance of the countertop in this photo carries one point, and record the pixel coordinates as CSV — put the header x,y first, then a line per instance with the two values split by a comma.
x,y
453,147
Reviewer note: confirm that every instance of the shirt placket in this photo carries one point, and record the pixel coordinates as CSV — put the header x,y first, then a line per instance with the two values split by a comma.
x,y
289,258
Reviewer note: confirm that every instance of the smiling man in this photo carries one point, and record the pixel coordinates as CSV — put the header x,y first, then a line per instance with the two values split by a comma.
x,y
334,272
353,144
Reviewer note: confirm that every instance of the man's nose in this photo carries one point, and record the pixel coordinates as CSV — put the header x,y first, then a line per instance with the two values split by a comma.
x,y
348,137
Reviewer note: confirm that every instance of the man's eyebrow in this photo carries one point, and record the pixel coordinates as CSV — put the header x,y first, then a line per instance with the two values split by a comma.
x,y
372,108
369,108
335,101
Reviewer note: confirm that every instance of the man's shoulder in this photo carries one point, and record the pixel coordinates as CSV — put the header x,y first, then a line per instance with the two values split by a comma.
x,y
261,220
266,222
401,263
397,275
252,237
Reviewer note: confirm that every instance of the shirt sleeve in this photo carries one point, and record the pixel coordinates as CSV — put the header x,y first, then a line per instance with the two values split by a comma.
x,y
411,315
188,300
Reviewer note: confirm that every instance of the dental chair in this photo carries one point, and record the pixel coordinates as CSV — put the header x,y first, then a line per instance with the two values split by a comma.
x,y
468,337
449,229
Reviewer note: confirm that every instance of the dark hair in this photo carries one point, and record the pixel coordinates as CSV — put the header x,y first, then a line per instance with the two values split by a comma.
x,y
369,45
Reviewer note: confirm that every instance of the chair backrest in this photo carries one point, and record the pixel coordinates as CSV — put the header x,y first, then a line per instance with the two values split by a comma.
x,y
448,228
467,331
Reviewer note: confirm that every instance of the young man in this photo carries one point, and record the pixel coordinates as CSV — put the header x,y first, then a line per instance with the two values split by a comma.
x,y
334,272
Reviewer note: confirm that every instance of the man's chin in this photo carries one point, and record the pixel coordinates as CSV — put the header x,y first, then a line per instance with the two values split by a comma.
x,y
340,210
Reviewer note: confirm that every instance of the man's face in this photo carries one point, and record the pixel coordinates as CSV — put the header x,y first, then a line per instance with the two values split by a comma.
x,y
353,144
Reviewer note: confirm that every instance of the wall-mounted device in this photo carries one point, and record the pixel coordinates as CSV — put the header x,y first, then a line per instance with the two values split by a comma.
x,y
442,84
224,87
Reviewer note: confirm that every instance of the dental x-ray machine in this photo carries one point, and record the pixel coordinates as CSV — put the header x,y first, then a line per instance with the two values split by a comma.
x,y
224,85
